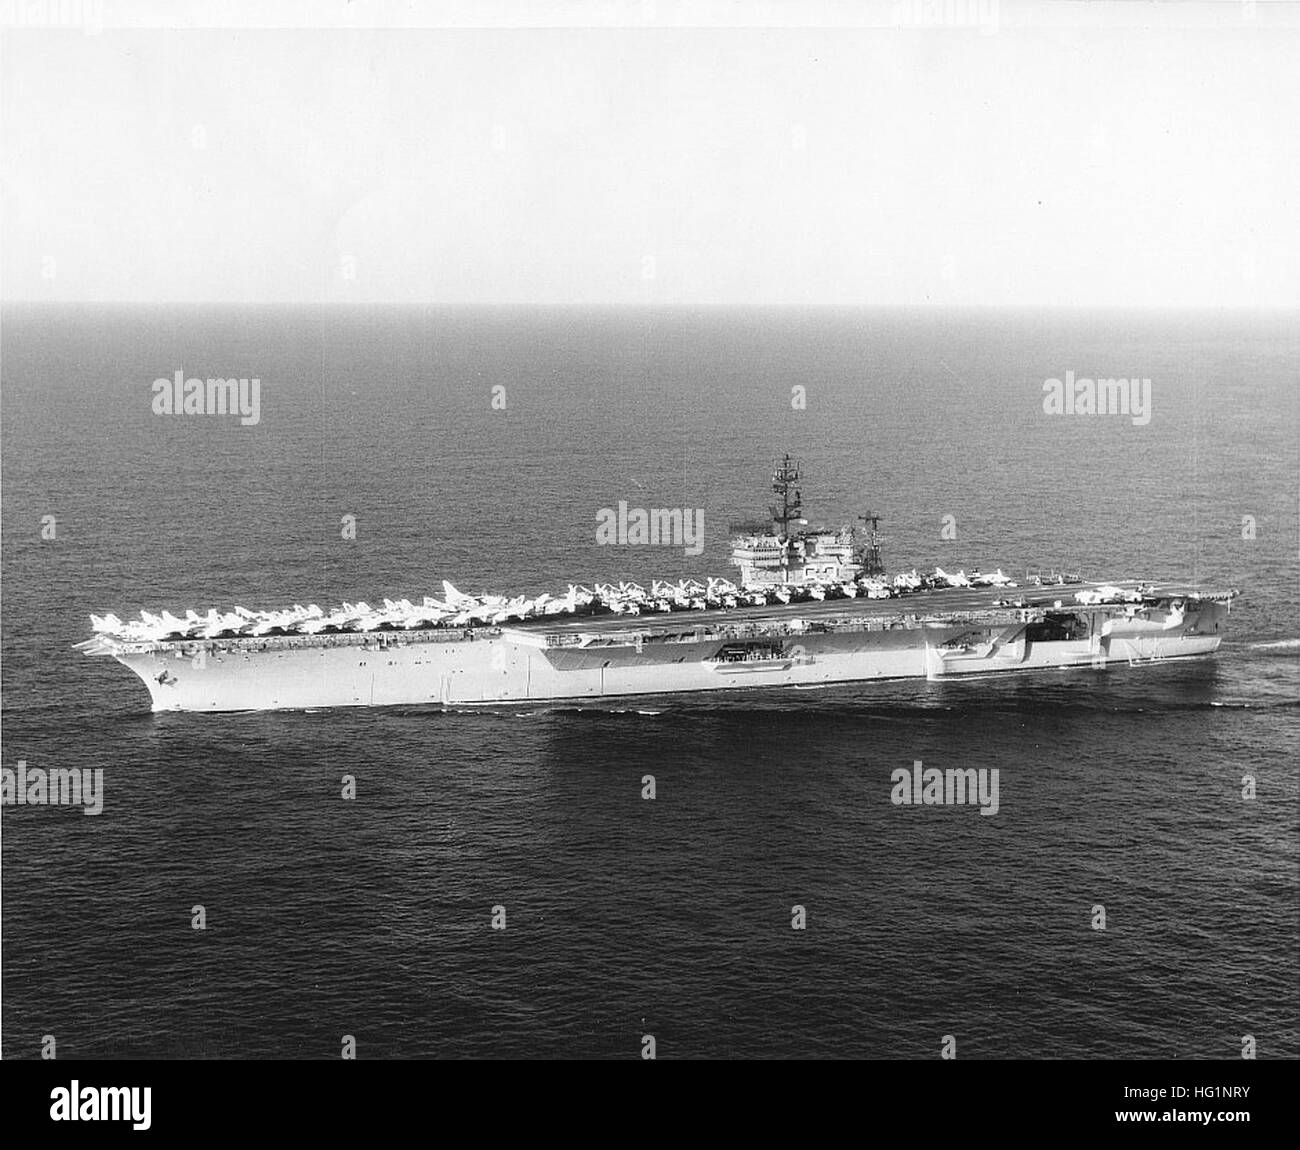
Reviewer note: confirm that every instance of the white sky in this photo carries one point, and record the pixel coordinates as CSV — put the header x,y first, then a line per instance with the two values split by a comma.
x,y
1133,154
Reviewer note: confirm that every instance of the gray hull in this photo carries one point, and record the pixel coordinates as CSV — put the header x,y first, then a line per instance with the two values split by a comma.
x,y
802,645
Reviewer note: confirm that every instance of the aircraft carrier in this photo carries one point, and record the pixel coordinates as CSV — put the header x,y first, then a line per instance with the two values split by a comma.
x,y
810,607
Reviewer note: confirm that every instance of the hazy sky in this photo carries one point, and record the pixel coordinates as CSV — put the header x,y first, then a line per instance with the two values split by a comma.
x,y
1035,160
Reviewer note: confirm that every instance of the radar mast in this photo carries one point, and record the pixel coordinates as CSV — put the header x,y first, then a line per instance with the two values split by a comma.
x,y
871,561
790,509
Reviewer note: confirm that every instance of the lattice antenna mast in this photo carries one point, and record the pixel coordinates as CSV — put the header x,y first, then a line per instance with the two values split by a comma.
x,y
871,561
790,509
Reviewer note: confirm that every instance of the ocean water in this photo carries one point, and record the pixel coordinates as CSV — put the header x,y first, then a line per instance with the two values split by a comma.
x,y
625,916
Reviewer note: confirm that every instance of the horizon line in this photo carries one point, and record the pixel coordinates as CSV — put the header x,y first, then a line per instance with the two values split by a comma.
x,y
661,305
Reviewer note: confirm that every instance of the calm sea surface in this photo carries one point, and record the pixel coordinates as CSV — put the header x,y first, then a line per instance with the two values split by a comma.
x,y
628,917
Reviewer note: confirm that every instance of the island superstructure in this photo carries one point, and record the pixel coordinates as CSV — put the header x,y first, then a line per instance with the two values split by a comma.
x,y
810,607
